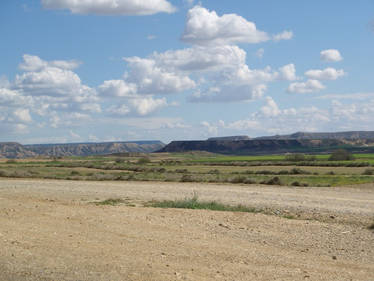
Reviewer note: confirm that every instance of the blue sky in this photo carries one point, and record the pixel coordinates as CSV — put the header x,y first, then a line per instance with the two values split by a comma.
x,y
76,71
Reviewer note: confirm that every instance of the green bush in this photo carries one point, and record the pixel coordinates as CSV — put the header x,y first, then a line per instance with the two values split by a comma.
x,y
144,160
273,181
341,155
295,157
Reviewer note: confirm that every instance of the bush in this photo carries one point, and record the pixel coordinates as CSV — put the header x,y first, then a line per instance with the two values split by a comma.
x,y
186,178
238,179
341,155
74,173
144,160
273,181
294,157
368,172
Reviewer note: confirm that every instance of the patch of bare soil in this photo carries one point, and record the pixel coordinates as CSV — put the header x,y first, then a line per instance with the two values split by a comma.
x,y
50,230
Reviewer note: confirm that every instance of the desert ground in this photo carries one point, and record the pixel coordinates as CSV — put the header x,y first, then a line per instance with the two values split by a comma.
x,y
53,230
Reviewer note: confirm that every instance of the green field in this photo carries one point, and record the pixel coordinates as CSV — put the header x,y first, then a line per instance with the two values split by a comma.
x,y
199,167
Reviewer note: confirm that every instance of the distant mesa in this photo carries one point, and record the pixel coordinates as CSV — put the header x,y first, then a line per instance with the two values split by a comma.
x,y
351,135
16,150
231,138
303,142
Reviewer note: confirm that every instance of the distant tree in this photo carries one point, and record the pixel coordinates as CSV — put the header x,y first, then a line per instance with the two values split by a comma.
x,y
299,157
341,155
295,157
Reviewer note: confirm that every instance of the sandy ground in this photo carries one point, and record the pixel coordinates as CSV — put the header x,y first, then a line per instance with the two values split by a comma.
x,y
50,230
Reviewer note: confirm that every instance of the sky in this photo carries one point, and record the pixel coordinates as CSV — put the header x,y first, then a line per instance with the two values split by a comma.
x,y
126,70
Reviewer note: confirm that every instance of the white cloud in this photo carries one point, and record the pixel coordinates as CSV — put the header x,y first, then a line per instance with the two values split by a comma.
x,y
331,55
34,63
120,110
209,129
285,35
111,7
204,27
152,79
354,96
117,88
200,58
271,108
55,79
146,106
22,115
74,135
11,98
242,125
139,106
309,86
229,93
325,74
288,72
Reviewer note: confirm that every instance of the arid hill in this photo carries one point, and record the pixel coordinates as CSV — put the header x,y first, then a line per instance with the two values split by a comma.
x,y
298,142
16,150
352,135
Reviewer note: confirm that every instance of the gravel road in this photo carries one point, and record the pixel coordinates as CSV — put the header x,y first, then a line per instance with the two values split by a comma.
x,y
50,230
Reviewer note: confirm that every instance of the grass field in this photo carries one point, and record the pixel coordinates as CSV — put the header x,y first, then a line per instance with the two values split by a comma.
x,y
198,167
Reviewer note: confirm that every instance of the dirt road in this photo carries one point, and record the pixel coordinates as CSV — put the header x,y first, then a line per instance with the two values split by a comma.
x,y
50,230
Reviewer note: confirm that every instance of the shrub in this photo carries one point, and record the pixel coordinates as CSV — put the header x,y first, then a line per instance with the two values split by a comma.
x,y
295,183
264,172
249,181
144,160
186,178
341,155
273,181
214,172
238,179
294,157
181,171
119,160
368,172
11,161
75,173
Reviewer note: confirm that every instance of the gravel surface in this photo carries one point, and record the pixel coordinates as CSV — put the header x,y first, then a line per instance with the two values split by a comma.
x,y
50,230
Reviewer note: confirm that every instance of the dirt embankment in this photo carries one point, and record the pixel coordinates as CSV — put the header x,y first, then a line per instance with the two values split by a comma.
x,y
50,231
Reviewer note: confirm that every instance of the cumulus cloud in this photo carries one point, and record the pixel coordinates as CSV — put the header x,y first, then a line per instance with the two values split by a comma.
x,y
331,55
288,72
325,74
117,88
201,58
148,105
285,35
152,79
22,115
120,110
271,108
111,7
204,27
309,86
34,63
43,78
139,106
